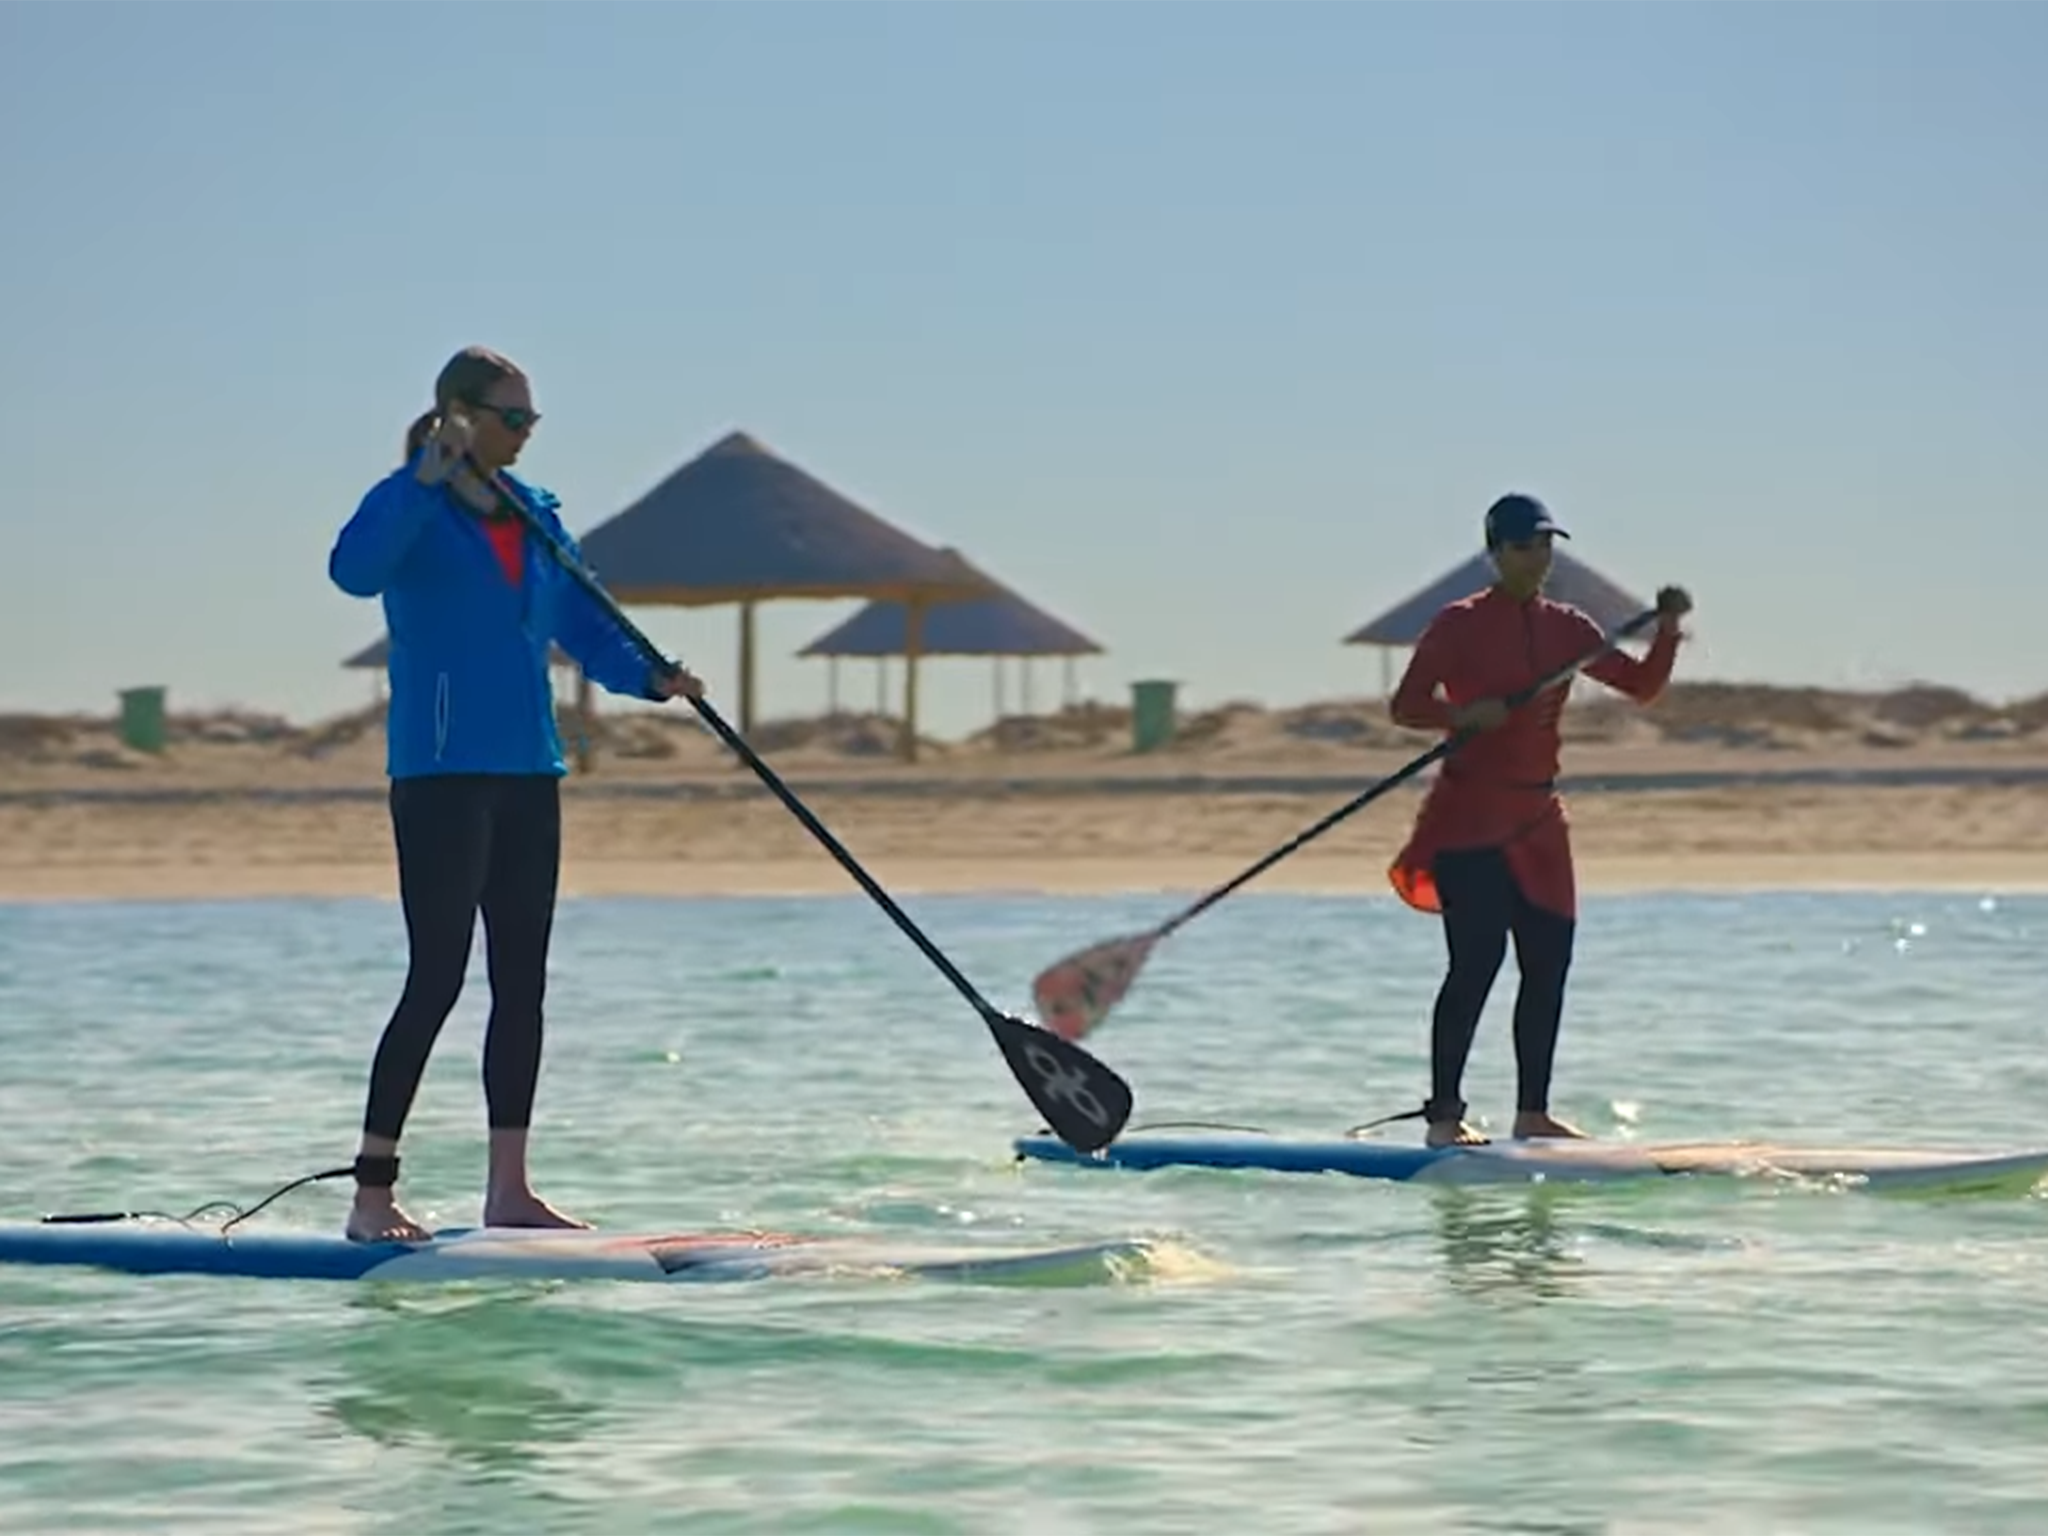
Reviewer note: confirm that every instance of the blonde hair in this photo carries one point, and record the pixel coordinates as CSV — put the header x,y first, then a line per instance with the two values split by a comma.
x,y
464,379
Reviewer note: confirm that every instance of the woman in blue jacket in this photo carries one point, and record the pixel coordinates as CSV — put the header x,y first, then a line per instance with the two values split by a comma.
x,y
475,763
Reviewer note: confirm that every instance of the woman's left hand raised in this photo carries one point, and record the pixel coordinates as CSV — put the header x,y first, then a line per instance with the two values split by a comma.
x,y
682,682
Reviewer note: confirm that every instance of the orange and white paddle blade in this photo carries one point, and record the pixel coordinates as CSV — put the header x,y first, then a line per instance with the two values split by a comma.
x,y
1076,994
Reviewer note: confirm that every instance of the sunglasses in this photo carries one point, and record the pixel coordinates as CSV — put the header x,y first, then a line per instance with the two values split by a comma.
x,y
517,417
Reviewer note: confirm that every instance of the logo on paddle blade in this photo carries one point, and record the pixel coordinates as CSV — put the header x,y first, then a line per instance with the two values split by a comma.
x,y
1065,1085
1075,995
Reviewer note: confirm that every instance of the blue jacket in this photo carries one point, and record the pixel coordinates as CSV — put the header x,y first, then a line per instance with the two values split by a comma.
x,y
469,651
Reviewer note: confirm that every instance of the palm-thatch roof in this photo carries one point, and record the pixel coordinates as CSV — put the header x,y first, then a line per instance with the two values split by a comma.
x,y
739,523
1001,624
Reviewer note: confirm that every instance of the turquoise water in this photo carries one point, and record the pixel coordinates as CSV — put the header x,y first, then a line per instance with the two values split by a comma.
x,y
1324,1355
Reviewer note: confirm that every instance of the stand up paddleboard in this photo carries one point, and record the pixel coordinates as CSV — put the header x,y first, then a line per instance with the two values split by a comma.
x,y
146,1248
1510,1162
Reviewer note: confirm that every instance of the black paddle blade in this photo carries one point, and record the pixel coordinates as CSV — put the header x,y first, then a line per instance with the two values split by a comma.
x,y
1084,1103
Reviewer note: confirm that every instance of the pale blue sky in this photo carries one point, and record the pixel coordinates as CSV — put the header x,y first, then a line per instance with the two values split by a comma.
x,y
1277,295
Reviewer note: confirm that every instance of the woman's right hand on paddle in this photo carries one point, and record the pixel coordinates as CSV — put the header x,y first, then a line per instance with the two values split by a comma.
x,y
1479,715
1673,604
446,448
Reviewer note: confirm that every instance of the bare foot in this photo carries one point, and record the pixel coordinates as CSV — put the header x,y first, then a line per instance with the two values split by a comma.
x,y
523,1208
376,1218
1534,1124
1453,1133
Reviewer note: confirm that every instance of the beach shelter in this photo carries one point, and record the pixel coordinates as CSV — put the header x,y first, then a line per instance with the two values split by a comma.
x,y
1571,580
739,524
998,626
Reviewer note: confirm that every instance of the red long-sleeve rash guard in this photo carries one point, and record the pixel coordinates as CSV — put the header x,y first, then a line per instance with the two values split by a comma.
x,y
1498,789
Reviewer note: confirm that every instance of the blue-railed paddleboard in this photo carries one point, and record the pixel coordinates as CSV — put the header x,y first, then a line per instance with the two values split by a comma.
x,y
147,1248
1511,1162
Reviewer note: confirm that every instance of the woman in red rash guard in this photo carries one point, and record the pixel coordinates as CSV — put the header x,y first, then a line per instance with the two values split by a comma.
x,y
1490,850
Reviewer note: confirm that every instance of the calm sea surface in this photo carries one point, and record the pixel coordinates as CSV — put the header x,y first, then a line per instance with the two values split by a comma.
x,y
1311,1354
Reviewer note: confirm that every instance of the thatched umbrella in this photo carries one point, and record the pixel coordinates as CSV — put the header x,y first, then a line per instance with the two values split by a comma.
x,y
738,524
1000,625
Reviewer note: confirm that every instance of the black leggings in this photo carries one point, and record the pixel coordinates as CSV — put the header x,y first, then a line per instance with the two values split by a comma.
x,y
1482,906
470,843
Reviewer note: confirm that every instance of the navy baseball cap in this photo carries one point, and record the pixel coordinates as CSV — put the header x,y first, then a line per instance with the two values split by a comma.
x,y
1516,517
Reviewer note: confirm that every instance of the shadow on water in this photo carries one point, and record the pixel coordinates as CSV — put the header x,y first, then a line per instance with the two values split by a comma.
x,y
482,1379
1540,1242
504,1378
507,1379
1493,1244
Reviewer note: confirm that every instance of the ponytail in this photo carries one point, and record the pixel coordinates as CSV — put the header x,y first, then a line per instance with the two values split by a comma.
x,y
421,429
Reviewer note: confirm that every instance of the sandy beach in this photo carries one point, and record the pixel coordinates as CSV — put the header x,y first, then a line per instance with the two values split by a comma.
x,y
1717,788
1976,839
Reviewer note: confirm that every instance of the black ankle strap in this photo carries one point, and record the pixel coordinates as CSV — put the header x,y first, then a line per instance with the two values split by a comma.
x,y
1406,1114
376,1172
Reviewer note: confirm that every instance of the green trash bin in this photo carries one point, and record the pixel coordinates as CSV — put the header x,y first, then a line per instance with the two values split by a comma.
x,y
1152,721
142,718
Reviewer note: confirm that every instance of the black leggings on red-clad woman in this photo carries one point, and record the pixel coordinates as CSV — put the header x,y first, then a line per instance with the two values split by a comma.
x,y
470,843
1483,907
